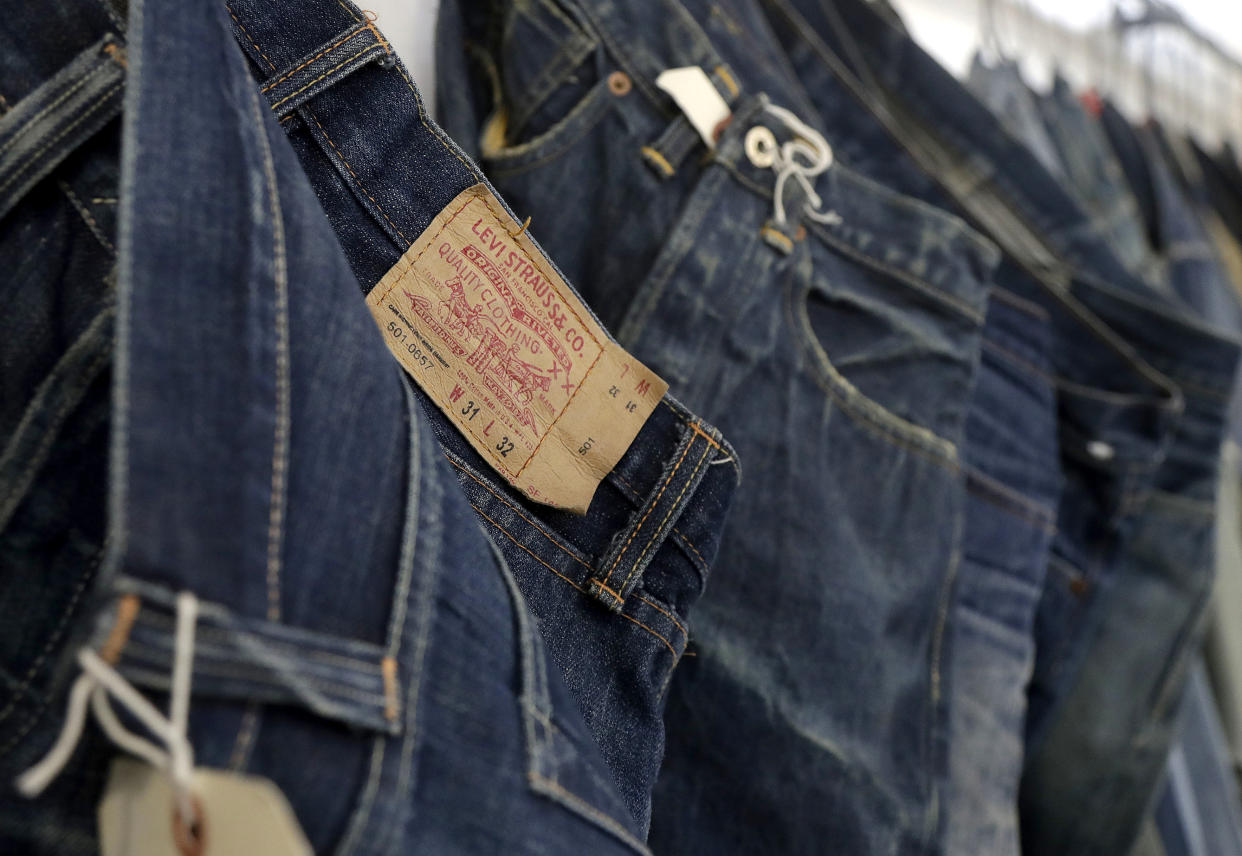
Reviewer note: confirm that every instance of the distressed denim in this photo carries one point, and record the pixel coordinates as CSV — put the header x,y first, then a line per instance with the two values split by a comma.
x,y
839,357
1093,174
1199,812
1013,483
1142,392
360,641
1006,94
61,82
382,171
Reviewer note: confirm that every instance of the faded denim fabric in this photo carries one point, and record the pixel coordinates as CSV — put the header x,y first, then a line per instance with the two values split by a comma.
x,y
1013,481
382,171
1006,94
1199,812
360,641
1093,174
838,356
1142,393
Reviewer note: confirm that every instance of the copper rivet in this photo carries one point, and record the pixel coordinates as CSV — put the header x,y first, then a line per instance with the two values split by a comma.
x,y
800,235
1078,586
619,83
191,840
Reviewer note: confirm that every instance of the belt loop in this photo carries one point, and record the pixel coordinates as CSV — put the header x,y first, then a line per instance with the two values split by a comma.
x,y
632,549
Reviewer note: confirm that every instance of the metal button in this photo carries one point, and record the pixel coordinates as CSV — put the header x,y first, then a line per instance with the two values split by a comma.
x,y
619,83
761,147
1100,450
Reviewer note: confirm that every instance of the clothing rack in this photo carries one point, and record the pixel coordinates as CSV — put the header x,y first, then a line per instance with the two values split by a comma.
x,y
1156,13
1192,83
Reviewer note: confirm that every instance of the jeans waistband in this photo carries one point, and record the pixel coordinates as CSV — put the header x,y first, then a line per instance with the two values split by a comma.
x,y
923,245
1123,387
327,66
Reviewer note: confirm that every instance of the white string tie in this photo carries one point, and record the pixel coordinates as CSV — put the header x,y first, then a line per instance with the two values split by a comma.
x,y
100,682
802,159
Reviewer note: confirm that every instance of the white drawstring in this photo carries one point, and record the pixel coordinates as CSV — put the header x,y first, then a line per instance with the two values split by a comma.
x,y
97,682
810,145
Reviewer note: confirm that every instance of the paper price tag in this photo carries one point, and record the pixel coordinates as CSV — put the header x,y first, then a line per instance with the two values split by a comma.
x,y
239,815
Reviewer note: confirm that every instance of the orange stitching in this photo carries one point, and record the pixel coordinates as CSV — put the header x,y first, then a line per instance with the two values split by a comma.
x,y
686,541
618,597
357,180
667,644
388,666
673,507
378,36
519,513
126,613
337,67
567,579
118,55
694,426
676,531
253,44
558,546
667,614
654,503
327,50
523,546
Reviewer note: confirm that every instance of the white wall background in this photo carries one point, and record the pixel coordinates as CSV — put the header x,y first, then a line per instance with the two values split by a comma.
x,y
1157,70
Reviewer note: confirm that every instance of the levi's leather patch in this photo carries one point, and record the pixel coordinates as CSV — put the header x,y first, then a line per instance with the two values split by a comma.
x,y
481,320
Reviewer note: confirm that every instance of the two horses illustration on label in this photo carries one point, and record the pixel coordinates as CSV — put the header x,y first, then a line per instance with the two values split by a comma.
x,y
492,353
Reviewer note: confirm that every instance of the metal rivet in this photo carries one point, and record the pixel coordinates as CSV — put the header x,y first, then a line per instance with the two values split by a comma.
x,y
619,83
1100,450
761,147
1079,586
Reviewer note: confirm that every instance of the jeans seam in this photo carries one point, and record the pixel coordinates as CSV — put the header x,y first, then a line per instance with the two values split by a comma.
x,y
87,218
278,496
326,74
354,175
541,781
654,504
676,506
253,43
867,413
523,547
64,94
57,633
271,84
33,158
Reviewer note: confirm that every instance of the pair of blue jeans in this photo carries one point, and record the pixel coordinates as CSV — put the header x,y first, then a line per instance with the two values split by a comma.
x,y
1142,396
838,354
362,642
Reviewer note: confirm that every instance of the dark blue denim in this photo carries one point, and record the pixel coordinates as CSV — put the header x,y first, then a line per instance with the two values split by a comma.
x,y
360,641
838,357
381,171
1142,391
1013,484
59,176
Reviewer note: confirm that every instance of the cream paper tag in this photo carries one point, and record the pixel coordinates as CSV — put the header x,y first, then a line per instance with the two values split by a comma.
x,y
239,815
697,97
487,328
